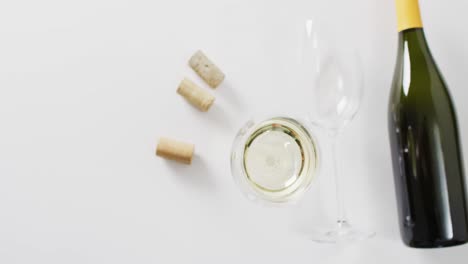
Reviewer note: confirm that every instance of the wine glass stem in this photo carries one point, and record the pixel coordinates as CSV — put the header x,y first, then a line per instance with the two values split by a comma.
x,y
341,214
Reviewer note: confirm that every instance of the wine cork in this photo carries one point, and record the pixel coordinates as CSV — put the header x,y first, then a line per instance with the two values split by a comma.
x,y
206,69
175,150
195,95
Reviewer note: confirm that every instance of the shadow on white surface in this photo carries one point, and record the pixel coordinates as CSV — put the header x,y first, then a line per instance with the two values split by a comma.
x,y
443,255
216,116
220,118
394,251
198,174
230,95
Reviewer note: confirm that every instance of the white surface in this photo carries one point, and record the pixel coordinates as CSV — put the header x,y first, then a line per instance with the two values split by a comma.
x,y
87,87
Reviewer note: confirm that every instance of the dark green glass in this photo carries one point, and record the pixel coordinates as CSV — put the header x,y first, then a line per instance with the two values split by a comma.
x,y
426,150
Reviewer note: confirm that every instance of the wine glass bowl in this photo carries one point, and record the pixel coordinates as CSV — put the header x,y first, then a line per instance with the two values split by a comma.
x,y
338,88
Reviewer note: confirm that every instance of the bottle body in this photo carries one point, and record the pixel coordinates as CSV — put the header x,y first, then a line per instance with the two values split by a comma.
x,y
426,150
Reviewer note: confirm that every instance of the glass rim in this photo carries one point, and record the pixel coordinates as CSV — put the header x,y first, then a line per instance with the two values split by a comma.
x,y
290,194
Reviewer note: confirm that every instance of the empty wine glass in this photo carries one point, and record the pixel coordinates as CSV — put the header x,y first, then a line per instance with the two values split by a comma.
x,y
332,73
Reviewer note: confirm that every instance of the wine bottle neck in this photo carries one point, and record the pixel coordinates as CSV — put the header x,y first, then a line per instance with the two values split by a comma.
x,y
414,51
413,41
408,14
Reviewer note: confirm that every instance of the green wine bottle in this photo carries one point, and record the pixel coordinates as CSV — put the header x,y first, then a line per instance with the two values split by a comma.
x,y
425,144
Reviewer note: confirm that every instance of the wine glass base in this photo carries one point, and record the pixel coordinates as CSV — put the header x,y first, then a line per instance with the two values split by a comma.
x,y
342,233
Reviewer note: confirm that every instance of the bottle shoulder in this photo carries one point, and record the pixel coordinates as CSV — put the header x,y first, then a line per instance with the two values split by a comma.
x,y
418,76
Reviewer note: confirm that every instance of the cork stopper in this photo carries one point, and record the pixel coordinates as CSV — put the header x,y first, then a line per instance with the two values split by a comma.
x,y
175,150
198,97
206,69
